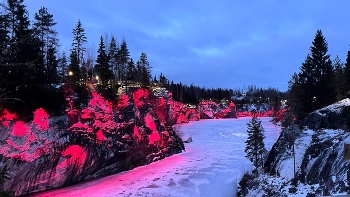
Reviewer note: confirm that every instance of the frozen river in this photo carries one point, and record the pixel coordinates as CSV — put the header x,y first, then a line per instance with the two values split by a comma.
x,y
211,166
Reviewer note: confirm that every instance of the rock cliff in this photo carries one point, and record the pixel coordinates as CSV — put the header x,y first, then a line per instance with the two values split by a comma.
x,y
319,163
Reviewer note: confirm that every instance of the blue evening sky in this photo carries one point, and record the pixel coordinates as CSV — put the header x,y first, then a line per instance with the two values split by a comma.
x,y
224,43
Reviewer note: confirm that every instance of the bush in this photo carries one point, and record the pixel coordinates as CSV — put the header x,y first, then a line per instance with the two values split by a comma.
x,y
294,182
293,190
243,184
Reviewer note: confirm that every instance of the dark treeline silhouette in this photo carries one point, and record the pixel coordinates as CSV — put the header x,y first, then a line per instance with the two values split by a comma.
x,y
34,74
28,59
194,94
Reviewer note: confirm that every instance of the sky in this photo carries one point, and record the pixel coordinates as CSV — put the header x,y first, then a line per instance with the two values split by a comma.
x,y
212,44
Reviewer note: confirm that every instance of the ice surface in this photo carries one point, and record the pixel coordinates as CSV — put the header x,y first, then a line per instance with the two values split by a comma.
x,y
211,166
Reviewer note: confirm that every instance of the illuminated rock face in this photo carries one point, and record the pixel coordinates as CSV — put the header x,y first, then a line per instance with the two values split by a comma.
x,y
99,139
210,110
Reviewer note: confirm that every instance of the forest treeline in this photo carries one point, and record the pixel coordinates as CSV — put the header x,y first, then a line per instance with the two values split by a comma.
x,y
34,73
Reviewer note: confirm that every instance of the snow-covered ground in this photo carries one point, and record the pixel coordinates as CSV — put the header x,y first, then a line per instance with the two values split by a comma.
x,y
211,166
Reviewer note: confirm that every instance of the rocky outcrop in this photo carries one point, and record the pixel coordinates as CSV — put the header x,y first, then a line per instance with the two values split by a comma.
x,y
319,155
99,139
206,109
332,117
210,109
95,140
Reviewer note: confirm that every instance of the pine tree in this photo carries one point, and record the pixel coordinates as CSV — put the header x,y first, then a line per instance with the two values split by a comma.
x,y
79,39
131,72
296,97
102,66
255,146
347,73
74,70
144,69
113,55
123,59
62,67
324,70
23,52
307,83
163,80
316,77
52,65
47,35
339,81
4,35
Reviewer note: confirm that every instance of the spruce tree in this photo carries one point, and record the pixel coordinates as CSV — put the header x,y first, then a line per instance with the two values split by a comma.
x,y
47,35
307,83
79,39
296,97
113,55
62,67
347,73
74,70
52,65
324,70
144,69
123,60
131,72
316,77
339,81
23,52
102,67
255,146
4,35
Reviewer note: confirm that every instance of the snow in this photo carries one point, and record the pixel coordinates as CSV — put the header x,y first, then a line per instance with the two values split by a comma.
x,y
212,165
282,185
336,107
301,144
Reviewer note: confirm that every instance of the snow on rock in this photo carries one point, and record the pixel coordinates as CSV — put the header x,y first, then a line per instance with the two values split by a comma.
x,y
332,116
286,166
336,107
319,157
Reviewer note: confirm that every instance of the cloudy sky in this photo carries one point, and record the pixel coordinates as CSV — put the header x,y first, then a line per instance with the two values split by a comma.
x,y
225,43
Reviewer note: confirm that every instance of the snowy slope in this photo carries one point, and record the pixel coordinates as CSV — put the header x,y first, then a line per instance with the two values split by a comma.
x,y
211,166
336,107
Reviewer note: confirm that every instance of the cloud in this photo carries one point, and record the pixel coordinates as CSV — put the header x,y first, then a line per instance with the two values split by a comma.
x,y
212,44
